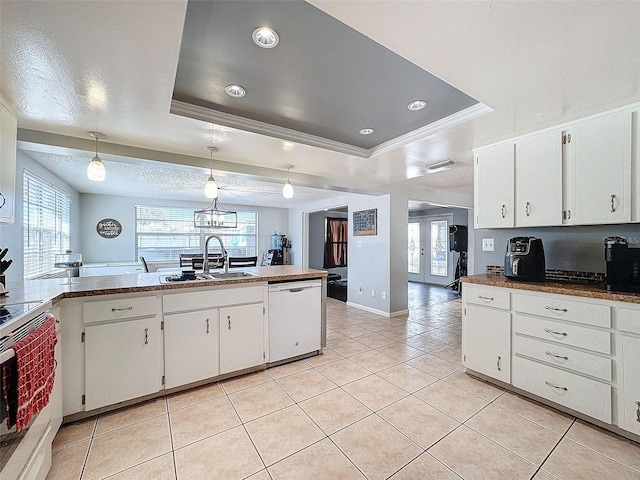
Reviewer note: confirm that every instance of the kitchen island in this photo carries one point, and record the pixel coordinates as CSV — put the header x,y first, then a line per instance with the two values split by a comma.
x,y
128,338
575,347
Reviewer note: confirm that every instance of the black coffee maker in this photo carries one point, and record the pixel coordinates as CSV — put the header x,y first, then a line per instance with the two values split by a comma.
x,y
622,264
524,259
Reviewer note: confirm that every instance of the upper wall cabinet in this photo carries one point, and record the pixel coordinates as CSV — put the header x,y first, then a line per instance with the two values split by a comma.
x,y
493,192
8,138
598,171
577,175
539,180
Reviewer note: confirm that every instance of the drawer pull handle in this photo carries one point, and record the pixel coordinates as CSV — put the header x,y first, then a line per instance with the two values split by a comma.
x,y
553,332
146,336
637,411
121,309
488,299
613,204
498,364
207,326
527,209
504,211
229,320
556,386
564,310
563,357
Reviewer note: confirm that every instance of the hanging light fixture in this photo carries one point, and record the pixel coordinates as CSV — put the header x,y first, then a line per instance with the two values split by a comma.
x,y
215,216
211,187
287,190
96,170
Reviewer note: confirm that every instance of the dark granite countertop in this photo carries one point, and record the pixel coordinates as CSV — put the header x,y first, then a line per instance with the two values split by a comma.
x,y
598,291
56,289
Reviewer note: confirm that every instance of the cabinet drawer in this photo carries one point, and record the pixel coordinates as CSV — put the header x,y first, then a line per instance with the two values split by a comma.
x,y
556,306
563,333
563,356
104,310
628,320
490,297
569,389
211,298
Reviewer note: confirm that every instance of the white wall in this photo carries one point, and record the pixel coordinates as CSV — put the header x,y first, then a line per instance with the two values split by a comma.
x,y
12,235
96,249
370,265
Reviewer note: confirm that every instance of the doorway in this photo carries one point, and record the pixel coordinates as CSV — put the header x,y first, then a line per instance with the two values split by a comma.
x,y
429,259
328,248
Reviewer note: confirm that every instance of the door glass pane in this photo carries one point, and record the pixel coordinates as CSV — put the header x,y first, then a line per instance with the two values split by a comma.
x,y
413,253
439,250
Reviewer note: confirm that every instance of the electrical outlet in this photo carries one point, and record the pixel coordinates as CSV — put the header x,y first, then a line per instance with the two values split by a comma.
x,y
359,243
383,295
373,293
360,290
487,244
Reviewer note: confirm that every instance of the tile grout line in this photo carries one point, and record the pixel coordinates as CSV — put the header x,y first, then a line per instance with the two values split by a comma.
x,y
553,449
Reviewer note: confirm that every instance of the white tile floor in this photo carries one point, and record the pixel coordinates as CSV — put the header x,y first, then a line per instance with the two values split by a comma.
x,y
387,399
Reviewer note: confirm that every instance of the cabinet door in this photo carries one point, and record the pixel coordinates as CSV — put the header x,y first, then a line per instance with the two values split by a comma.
x,y
628,353
190,347
494,170
8,138
241,337
598,155
487,342
123,361
539,180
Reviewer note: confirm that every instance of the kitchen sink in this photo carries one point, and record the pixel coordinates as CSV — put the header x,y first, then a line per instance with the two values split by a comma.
x,y
207,277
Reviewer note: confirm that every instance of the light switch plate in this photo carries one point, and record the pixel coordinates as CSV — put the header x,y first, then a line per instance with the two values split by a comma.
x,y
487,244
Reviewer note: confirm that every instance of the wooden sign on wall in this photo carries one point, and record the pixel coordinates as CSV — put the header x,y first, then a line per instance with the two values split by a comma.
x,y
109,228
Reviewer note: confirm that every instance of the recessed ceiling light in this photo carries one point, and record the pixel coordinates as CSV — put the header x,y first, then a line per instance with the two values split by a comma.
x,y
265,37
417,105
235,91
366,131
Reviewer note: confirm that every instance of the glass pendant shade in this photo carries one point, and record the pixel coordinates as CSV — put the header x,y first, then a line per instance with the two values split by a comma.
x,y
96,170
211,188
287,190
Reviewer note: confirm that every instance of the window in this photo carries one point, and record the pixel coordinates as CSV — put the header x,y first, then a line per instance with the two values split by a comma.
x,y
163,233
413,254
439,247
46,225
335,243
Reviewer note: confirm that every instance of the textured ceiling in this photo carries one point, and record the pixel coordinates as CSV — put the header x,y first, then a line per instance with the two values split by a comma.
x,y
154,180
309,82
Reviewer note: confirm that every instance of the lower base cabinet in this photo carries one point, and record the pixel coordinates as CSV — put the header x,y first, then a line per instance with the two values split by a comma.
x,y
487,342
629,383
122,361
241,337
190,347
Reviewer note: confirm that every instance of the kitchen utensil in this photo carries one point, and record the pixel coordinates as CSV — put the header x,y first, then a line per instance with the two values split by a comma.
x,y
4,264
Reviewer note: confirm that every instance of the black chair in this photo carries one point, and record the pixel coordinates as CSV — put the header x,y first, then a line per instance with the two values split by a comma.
x,y
144,264
194,261
243,262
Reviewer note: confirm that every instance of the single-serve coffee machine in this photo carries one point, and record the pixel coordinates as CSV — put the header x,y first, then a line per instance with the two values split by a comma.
x,y
622,265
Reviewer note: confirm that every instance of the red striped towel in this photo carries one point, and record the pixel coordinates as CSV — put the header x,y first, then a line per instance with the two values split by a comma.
x,y
28,380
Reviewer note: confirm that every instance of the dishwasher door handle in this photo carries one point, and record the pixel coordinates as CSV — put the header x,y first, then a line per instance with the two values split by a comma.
x,y
296,289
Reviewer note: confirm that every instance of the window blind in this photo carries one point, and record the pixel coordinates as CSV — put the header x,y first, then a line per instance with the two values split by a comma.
x,y
46,219
163,233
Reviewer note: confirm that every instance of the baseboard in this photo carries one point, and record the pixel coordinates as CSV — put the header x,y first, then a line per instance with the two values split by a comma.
x,y
378,312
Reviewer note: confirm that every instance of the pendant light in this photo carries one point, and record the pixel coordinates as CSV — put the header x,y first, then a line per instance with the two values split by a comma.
x,y
211,187
287,190
96,170
215,216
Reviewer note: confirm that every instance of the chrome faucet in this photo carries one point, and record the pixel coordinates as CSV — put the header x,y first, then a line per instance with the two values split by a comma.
x,y
225,255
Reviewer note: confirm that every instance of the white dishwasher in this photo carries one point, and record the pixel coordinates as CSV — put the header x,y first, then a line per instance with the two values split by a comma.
x,y
295,319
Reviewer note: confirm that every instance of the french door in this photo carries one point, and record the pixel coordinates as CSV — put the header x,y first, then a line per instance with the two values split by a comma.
x,y
429,259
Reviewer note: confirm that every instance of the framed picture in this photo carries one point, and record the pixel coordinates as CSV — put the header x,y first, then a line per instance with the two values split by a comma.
x,y
365,222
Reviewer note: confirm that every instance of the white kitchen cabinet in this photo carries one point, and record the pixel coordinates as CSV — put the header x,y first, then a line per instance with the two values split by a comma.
x,y
538,174
598,171
190,347
628,349
241,337
8,139
123,361
493,187
486,347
